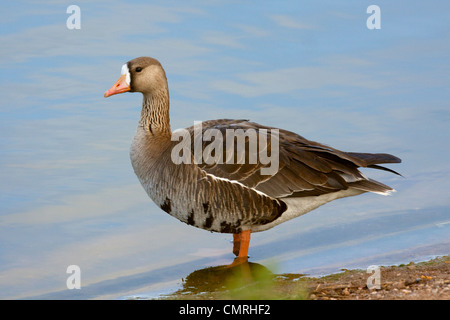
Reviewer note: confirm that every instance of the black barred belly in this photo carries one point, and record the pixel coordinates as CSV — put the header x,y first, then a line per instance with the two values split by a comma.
x,y
204,217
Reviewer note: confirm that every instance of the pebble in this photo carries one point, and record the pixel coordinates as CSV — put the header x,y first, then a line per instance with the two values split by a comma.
x,y
406,291
399,284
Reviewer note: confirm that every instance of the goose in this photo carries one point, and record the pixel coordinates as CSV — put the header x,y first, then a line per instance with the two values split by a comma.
x,y
235,197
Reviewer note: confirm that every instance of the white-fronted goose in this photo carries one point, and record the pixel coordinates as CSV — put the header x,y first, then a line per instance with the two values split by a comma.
x,y
235,197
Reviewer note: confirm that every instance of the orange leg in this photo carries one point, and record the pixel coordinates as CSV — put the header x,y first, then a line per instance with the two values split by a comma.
x,y
241,242
245,242
236,243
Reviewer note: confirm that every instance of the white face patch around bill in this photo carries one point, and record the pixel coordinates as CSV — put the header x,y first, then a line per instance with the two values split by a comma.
x,y
127,73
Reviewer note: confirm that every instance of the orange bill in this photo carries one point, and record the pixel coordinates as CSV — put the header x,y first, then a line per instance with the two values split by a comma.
x,y
120,86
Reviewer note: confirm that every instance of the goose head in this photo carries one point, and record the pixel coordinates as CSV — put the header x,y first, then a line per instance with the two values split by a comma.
x,y
143,74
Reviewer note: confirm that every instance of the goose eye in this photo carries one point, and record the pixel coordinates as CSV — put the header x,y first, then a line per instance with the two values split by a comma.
x,y
138,69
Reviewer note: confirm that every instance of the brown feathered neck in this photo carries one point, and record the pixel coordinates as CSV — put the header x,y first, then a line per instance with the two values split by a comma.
x,y
155,113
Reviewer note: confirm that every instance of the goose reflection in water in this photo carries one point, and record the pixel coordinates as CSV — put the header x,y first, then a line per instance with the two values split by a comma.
x,y
244,281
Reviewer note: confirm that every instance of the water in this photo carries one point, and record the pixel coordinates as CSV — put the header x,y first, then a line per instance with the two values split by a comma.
x,y
68,194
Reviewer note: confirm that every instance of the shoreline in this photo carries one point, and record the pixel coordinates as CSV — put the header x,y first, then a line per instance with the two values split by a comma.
x,y
428,280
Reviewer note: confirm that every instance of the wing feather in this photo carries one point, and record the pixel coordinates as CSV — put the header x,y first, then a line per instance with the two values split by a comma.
x,y
305,167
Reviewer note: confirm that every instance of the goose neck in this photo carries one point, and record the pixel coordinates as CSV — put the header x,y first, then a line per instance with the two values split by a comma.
x,y
155,113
